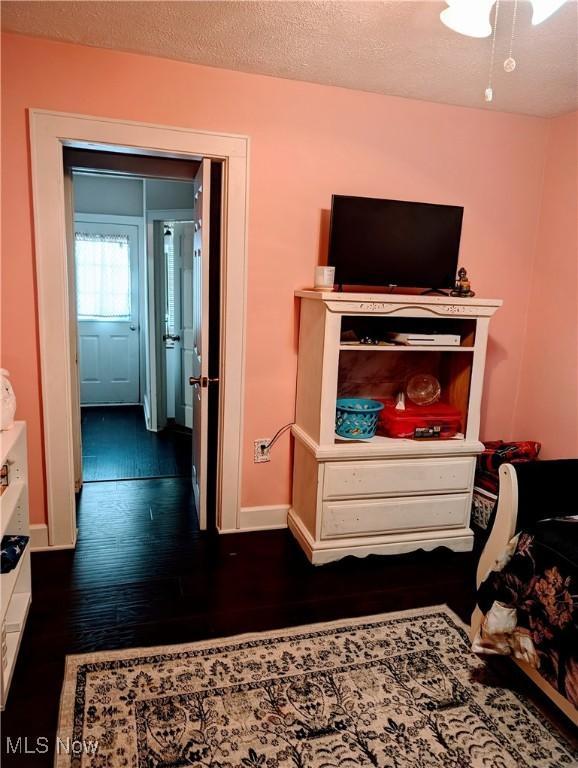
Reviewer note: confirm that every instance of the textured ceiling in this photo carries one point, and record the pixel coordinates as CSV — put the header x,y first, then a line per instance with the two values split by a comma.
x,y
397,48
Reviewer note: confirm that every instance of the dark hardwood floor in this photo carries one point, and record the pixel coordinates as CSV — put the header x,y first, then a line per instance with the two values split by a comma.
x,y
117,446
143,575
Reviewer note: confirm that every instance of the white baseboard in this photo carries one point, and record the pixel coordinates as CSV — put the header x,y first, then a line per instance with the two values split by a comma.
x,y
39,539
38,536
261,518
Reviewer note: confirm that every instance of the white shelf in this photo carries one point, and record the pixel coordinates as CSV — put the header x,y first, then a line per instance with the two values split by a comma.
x,y
471,306
15,622
13,640
387,447
17,611
9,439
9,503
8,581
391,446
390,441
400,348
15,586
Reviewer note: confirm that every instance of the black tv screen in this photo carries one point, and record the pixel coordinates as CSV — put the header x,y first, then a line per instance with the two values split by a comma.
x,y
391,242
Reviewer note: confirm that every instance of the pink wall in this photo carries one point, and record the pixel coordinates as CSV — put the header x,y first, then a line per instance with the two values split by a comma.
x,y
307,141
547,407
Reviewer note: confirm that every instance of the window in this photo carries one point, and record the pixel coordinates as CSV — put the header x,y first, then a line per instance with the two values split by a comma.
x,y
102,276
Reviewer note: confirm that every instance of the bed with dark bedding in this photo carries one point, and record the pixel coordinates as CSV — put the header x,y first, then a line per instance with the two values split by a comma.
x,y
528,578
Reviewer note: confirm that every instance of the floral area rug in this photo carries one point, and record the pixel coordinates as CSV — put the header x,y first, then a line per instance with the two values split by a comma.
x,y
396,690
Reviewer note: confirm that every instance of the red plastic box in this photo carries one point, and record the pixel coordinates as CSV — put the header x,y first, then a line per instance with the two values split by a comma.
x,y
420,422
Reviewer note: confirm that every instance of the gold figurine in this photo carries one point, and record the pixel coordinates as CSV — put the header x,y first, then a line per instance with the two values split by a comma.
x,y
462,286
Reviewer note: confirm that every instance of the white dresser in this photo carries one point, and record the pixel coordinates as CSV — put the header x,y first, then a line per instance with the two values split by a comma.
x,y
15,586
384,495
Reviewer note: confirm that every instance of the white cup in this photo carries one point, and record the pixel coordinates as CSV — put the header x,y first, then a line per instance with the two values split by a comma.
x,y
324,278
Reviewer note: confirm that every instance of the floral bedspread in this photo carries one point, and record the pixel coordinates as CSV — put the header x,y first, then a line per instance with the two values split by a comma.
x,y
531,603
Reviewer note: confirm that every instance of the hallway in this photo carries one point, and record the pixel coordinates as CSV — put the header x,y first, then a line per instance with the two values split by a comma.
x,y
116,445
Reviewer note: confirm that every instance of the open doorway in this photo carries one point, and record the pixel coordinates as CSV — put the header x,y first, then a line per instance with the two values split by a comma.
x,y
50,134
146,250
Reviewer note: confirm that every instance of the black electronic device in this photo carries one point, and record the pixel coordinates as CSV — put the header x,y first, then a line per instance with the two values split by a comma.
x,y
375,242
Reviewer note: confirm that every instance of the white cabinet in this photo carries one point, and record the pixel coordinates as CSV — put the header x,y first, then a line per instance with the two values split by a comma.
x,y
384,495
15,586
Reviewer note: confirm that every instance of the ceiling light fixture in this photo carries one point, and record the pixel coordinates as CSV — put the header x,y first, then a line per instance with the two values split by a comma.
x,y
468,17
472,17
543,9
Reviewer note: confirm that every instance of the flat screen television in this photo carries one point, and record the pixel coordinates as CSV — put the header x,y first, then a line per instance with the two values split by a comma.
x,y
375,242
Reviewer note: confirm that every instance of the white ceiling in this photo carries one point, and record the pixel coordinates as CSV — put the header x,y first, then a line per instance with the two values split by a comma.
x,y
393,47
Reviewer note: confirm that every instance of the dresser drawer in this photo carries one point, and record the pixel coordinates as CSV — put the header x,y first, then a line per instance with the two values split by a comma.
x,y
346,480
382,516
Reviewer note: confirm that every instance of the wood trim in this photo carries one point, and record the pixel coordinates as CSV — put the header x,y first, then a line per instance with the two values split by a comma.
x,y
75,361
562,703
502,531
109,218
169,214
504,524
329,550
111,163
450,306
38,536
262,518
49,133
39,540
390,450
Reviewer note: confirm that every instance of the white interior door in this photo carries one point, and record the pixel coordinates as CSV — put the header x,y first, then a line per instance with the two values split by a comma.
x,y
106,259
183,307
173,325
196,338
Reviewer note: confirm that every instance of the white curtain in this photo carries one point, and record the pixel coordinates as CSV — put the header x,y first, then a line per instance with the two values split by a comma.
x,y
102,276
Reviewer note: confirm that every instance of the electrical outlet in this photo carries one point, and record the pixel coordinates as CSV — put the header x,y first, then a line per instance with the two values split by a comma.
x,y
262,450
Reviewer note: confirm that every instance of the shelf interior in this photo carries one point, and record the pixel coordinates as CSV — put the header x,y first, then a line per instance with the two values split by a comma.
x,y
375,375
357,327
345,347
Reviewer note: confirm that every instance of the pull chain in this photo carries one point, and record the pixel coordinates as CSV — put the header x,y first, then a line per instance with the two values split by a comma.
x,y
510,63
489,93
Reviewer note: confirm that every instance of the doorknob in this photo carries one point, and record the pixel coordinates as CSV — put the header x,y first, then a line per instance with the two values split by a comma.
x,y
133,327
202,381
170,337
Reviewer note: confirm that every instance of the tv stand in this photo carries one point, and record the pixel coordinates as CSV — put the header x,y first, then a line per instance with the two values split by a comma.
x,y
384,495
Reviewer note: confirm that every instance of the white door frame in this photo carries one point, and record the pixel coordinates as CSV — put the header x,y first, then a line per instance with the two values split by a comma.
x,y
49,133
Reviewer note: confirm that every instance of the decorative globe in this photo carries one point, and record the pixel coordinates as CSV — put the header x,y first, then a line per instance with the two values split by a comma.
x,y
423,389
